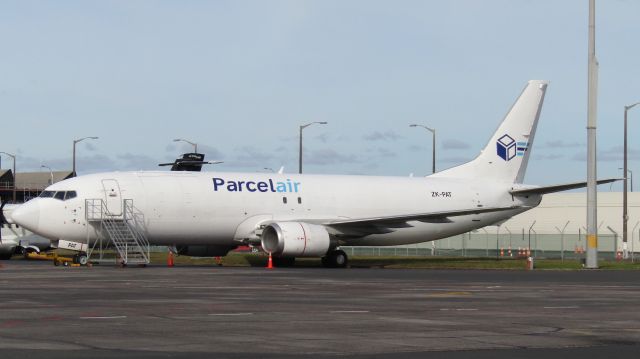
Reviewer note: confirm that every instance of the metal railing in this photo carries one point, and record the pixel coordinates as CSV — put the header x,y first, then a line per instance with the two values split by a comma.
x,y
124,232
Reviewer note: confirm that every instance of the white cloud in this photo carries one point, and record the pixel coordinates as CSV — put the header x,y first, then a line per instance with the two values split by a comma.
x,y
388,135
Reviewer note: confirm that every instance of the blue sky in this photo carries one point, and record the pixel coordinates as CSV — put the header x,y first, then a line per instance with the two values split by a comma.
x,y
239,77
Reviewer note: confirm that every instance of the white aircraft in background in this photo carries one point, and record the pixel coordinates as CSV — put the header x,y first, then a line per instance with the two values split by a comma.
x,y
210,213
16,240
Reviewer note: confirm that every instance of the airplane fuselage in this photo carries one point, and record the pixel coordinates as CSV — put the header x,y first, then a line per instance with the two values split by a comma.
x,y
218,208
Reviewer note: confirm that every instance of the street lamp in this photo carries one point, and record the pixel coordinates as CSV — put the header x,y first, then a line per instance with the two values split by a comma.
x,y
195,145
50,173
73,173
300,152
13,157
625,214
433,132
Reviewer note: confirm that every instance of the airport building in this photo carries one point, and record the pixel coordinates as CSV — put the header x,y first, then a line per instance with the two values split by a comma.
x,y
27,184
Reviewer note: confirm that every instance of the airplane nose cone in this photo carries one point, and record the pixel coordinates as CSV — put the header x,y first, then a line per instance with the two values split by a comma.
x,y
27,215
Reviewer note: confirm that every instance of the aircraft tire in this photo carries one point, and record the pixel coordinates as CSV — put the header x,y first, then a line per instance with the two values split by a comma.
x,y
5,256
82,259
335,259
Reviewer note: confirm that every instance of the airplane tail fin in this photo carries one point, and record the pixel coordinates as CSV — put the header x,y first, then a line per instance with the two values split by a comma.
x,y
506,155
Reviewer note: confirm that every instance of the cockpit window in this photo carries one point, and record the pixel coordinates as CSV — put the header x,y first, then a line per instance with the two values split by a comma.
x,y
61,195
47,194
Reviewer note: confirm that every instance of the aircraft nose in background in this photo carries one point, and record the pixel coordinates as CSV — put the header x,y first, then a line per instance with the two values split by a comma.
x,y
28,215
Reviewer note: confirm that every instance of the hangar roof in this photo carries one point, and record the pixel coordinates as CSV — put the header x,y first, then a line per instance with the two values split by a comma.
x,y
40,180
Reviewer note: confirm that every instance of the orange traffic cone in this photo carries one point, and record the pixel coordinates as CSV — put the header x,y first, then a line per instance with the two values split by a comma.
x,y
170,259
501,252
270,263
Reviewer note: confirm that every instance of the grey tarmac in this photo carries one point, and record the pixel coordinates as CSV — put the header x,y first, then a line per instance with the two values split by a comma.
x,y
234,312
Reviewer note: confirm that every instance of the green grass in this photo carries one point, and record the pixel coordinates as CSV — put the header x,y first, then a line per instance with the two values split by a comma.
x,y
395,262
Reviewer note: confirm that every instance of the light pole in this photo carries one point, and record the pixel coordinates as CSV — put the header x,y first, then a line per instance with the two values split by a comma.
x,y
433,132
13,157
625,214
73,173
50,173
302,127
195,145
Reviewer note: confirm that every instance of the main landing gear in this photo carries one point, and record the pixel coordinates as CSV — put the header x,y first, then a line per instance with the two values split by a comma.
x,y
284,261
335,259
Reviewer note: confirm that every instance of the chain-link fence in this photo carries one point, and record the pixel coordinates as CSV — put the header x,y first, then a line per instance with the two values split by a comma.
x,y
479,244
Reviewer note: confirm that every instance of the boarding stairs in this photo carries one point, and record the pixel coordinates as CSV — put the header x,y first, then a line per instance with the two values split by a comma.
x,y
123,232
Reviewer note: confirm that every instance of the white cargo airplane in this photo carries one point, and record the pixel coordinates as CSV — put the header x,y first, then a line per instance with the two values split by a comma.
x,y
210,213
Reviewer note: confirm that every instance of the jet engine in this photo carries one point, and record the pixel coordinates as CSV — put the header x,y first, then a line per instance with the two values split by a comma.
x,y
295,239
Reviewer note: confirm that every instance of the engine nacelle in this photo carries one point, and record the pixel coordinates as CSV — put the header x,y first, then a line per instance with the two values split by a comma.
x,y
295,239
203,251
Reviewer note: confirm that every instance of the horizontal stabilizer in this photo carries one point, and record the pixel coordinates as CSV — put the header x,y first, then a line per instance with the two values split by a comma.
x,y
556,188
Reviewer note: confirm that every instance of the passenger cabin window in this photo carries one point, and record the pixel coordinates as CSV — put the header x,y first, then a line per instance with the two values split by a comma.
x,y
60,195
299,200
284,200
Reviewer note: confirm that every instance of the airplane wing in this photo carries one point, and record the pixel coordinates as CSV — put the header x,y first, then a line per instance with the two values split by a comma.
x,y
556,188
380,225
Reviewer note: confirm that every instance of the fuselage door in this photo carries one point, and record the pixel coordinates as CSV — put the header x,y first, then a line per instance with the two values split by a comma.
x,y
112,196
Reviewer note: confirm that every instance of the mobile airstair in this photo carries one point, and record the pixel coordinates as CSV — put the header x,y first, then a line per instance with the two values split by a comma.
x,y
121,236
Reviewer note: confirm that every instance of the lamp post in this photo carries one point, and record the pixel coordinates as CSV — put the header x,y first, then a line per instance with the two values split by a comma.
x,y
195,145
73,174
302,127
625,214
50,173
433,132
13,157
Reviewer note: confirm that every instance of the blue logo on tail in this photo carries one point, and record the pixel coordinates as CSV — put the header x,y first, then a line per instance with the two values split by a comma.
x,y
508,148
